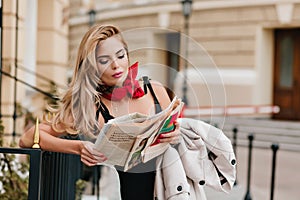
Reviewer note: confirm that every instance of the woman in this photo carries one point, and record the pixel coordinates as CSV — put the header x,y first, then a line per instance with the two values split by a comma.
x,y
103,87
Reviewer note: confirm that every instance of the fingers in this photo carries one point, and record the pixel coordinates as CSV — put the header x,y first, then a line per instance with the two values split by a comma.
x,y
90,156
177,125
91,159
88,161
171,137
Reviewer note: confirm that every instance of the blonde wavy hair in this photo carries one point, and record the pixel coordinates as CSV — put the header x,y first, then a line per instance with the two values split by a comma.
x,y
76,113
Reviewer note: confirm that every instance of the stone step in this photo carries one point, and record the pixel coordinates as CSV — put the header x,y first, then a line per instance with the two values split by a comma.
x,y
266,132
263,122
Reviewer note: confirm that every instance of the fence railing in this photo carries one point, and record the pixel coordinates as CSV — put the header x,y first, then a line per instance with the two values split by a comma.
x,y
52,175
35,169
60,172
263,135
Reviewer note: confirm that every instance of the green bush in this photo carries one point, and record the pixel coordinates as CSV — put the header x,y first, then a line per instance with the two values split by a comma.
x,y
14,175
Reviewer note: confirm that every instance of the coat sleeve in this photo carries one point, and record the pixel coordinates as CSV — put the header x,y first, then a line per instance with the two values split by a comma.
x,y
217,161
175,184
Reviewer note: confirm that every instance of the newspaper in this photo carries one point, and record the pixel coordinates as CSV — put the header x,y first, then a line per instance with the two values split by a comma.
x,y
131,139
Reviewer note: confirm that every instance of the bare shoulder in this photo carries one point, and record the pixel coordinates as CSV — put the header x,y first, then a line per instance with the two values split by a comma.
x,y
157,86
46,127
161,93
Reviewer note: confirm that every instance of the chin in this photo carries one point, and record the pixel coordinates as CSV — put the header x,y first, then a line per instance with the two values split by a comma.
x,y
118,83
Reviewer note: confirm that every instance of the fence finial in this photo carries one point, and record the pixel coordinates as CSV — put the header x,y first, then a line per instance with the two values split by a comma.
x,y
36,137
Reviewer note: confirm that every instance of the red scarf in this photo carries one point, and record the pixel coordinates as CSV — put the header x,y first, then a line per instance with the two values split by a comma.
x,y
130,87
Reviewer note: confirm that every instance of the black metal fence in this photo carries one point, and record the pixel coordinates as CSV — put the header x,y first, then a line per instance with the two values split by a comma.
x,y
35,169
52,175
268,140
60,173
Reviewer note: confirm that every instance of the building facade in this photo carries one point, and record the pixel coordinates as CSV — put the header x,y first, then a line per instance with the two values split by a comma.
x,y
233,53
239,52
34,54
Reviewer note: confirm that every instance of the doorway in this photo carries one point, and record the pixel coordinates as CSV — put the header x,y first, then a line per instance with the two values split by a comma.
x,y
287,74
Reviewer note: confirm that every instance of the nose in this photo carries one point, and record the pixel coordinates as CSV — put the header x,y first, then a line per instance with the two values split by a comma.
x,y
114,64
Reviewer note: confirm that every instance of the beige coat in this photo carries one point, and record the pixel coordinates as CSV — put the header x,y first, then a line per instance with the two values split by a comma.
x,y
204,156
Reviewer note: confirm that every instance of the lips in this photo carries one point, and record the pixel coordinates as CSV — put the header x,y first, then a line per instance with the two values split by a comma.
x,y
117,75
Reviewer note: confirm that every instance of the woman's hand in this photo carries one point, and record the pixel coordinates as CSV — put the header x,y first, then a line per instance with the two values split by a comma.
x,y
89,155
171,137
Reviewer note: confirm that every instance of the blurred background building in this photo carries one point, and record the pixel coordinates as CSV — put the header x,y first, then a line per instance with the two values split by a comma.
x,y
239,52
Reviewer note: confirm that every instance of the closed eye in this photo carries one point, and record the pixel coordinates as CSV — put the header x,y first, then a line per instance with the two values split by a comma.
x,y
121,56
103,61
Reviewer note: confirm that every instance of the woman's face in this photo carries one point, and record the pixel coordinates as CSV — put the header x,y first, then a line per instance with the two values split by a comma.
x,y
112,60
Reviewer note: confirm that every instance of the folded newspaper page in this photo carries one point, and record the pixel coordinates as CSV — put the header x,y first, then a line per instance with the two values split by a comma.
x,y
130,139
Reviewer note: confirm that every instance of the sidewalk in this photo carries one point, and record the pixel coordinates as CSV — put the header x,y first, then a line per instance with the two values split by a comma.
x,y
237,193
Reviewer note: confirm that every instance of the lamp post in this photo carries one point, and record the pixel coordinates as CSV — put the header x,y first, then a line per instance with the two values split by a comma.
x,y
186,11
90,5
92,17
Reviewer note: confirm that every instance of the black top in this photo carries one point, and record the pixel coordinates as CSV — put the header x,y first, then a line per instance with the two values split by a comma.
x,y
138,182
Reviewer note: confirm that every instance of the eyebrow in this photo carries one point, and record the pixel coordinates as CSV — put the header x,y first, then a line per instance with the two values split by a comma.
x,y
107,56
